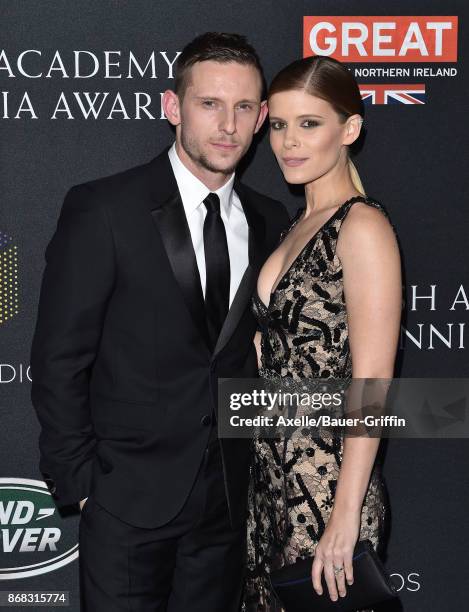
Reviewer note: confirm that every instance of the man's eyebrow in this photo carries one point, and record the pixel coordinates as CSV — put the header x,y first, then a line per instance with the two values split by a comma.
x,y
245,101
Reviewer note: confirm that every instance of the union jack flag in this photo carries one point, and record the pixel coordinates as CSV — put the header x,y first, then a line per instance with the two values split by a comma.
x,y
393,94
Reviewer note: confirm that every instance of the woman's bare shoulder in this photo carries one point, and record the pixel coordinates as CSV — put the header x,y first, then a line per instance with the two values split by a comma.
x,y
365,227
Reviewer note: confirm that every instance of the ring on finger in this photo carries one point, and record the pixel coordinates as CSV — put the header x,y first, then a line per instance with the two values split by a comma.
x,y
337,570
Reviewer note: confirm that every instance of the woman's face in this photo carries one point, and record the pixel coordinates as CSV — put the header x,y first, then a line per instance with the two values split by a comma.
x,y
307,135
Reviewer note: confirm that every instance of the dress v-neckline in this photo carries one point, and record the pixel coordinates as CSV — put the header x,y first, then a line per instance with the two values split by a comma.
x,y
310,240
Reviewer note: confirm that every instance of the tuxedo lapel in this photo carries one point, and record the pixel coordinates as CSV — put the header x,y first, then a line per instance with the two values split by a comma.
x,y
256,223
170,221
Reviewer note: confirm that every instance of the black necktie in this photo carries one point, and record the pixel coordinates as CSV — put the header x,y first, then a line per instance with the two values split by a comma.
x,y
217,266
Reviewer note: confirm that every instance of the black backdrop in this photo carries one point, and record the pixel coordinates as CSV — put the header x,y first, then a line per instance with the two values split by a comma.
x,y
414,161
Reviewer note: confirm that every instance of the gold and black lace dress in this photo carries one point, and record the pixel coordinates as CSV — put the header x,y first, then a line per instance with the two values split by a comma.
x,y
293,478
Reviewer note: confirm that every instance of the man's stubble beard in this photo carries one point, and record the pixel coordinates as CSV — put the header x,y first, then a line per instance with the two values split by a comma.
x,y
200,159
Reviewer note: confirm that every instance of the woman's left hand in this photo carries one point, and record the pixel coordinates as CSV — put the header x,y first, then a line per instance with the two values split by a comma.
x,y
335,549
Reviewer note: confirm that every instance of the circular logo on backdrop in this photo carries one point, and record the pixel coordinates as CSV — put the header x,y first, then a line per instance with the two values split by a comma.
x,y
32,541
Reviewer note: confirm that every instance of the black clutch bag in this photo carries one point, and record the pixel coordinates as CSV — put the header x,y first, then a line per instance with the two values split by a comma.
x,y
293,586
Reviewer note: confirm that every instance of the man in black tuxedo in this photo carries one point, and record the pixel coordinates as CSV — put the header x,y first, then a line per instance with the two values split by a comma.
x,y
145,302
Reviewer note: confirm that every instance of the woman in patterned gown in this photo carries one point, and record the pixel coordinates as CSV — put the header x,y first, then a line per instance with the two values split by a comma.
x,y
328,303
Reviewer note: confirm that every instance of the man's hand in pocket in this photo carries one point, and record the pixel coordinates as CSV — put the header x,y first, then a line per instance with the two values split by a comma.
x,y
82,503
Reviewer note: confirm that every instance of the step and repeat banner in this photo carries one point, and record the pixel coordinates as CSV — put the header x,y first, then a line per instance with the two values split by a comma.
x,y
80,98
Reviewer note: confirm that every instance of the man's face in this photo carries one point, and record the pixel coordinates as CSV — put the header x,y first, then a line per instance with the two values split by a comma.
x,y
220,112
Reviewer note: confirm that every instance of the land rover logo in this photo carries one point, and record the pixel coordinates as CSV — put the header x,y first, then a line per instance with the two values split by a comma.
x,y
32,541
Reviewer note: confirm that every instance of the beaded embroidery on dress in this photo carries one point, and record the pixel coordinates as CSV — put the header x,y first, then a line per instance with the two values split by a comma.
x,y
304,335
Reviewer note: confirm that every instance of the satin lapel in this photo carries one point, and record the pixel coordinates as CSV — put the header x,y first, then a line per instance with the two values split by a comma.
x,y
256,223
172,226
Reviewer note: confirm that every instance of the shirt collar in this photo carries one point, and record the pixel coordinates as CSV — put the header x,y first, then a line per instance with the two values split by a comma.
x,y
193,191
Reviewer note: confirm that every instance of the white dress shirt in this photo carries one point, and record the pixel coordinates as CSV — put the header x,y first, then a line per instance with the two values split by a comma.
x,y
193,192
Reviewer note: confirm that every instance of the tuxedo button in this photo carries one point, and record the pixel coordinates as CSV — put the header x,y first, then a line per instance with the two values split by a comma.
x,y
206,420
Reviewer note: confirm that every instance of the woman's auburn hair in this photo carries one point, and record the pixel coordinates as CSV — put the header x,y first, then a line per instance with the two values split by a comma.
x,y
330,80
